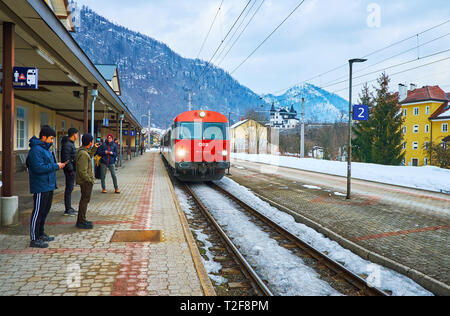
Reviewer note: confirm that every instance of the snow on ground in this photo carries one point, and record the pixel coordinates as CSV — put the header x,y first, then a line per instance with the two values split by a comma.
x,y
427,178
212,267
262,249
312,187
286,273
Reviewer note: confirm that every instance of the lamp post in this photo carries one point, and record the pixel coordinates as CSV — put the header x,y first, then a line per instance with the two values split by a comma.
x,y
94,95
122,116
350,113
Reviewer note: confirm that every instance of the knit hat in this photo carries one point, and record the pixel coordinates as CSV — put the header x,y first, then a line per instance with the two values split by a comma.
x,y
110,135
86,139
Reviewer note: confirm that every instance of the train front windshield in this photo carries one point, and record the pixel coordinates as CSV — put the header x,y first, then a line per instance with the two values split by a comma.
x,y
202,131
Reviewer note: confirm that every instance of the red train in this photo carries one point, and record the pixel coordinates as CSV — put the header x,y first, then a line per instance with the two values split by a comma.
x,y
197,146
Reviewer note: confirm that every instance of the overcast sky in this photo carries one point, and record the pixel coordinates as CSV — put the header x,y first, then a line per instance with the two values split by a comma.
x,y
319,36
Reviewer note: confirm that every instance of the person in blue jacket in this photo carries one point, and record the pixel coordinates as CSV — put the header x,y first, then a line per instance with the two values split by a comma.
x,y
42,167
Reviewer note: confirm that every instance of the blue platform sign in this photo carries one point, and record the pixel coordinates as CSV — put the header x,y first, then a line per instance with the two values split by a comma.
x,y
361,112
25,78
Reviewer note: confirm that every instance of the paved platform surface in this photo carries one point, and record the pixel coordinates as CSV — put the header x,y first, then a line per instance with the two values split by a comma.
x,y
390,221
87,263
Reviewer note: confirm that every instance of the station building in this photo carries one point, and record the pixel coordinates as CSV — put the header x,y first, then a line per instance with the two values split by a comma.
x,y
426,114
36,34
252,137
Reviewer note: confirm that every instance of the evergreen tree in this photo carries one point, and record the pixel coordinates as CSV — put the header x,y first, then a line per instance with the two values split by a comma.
x,y
386,122
363,131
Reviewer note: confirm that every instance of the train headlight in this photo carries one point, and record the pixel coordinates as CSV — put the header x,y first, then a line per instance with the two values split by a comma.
x,y
181,153
224,152
202,114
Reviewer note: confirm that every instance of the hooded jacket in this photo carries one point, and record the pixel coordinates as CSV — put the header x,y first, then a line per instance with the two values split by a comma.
x,y
68,153
42,167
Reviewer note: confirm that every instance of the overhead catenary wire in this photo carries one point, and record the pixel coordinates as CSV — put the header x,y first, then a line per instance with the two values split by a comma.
x,y
240,35
267,38
366,56
221,43
378,71
236,29
210,28
394,56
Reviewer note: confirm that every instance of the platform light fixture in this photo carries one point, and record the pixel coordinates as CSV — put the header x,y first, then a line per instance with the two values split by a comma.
x,y
71,77
44,55
202,114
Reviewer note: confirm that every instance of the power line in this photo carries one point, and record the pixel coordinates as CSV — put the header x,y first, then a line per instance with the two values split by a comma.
x,y
380,70
368,55
270,35
221,43
236,30
210,28
389,58
237,39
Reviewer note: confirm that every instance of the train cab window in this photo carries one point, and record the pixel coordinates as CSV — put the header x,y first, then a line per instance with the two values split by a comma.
x,y
215,131
189,131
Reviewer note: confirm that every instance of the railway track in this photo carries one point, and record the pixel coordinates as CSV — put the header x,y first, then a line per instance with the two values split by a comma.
x,y
256,282
342,279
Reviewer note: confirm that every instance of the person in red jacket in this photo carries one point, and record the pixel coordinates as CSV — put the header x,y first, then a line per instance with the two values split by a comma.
x,y
109,152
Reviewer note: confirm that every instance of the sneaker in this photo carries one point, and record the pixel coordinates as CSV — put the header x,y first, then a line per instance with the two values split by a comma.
x,y
117,191
85,225
46,238
104,191
38,244
71,212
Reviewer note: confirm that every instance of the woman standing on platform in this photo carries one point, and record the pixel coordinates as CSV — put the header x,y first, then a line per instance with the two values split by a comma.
x,y
109,152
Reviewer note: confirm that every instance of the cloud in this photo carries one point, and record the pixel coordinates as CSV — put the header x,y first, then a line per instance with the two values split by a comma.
x,y
318,37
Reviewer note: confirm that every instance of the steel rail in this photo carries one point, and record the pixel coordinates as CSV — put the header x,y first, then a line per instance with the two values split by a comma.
x,y
261,286
333,265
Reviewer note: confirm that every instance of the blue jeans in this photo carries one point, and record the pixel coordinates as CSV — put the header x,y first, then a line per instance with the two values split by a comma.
x,y
112,169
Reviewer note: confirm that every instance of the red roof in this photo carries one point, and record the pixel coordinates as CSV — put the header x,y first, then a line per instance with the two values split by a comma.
x,y
434,93
443,108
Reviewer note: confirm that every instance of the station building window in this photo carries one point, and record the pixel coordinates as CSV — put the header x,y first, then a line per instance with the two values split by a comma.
x,y
22,124
44,118
416,111
427,128
415,145
416,129
444,128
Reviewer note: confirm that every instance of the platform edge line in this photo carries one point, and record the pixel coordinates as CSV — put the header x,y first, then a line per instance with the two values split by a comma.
x,y
205,281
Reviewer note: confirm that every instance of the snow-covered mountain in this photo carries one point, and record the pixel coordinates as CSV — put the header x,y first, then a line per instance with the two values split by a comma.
x,y
155,77
321,106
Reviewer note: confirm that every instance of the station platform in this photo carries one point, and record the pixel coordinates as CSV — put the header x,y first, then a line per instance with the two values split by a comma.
x,y
404,229
160,259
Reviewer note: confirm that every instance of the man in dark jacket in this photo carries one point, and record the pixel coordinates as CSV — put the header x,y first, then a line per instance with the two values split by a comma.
x,y
109,153
42,168
68,154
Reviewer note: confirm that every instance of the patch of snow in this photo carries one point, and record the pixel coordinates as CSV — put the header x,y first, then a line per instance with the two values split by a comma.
x,y
380,276
426,178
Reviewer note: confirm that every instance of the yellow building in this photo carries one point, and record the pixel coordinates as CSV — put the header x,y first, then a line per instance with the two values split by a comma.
x,y
426,119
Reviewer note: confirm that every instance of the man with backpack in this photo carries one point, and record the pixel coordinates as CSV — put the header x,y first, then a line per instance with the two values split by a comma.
x,y
42,167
